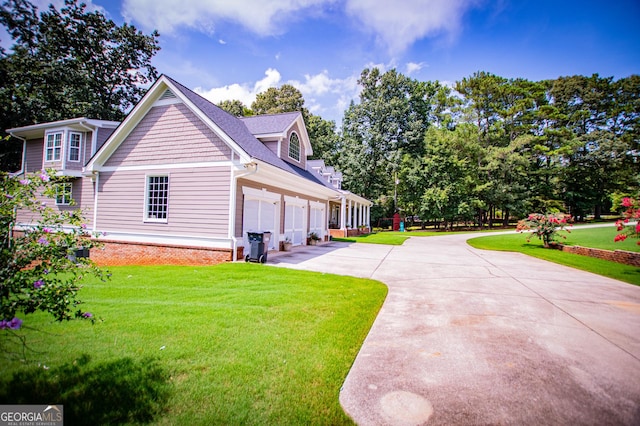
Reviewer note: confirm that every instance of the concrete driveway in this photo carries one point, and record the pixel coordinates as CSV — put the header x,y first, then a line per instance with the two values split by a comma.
x,y
467,336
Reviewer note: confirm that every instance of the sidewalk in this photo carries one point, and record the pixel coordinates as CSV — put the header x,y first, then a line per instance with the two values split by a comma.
x,y
477,337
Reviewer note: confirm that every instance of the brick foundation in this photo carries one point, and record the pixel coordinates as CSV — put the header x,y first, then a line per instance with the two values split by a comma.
x,y
343,233
619,256
121,253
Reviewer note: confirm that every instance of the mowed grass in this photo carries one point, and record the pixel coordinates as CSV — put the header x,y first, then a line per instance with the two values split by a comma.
x,y
601,238
392,238
517,243
242,343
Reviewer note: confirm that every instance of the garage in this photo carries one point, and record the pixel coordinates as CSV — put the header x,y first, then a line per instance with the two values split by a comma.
x,y
317,219
295,220
260,213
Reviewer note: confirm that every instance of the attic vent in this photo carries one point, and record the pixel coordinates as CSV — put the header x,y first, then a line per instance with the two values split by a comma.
x,y
168,94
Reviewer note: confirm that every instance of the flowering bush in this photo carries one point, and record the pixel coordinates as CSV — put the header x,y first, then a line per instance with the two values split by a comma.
x,y
546,227
632,212
38,267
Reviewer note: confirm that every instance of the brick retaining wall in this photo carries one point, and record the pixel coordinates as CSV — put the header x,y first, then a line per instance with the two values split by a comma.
x,y
121,253
620,256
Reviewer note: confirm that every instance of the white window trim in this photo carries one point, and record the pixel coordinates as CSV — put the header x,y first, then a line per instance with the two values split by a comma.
x,y
146,217
65,201
70,134
299,147
53,149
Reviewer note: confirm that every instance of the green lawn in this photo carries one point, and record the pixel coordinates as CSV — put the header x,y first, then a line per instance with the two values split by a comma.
x,y
518,243
233,343
601,238
393,238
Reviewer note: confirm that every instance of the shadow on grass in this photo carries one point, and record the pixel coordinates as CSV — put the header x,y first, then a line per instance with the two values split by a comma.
x,y
112,392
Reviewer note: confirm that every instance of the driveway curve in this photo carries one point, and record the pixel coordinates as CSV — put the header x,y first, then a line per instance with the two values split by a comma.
x,y
467,336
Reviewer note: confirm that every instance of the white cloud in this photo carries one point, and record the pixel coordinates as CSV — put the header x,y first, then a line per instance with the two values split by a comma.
x,y
323,95
413,67
260,16
398,24
246,93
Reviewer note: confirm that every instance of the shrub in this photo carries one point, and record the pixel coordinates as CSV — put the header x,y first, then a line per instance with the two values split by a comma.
x,y
38,268
632,212
545,226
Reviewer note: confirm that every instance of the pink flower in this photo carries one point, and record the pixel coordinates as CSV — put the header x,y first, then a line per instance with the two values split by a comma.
x,y
38,284
620,237
25,181
626,202
44,177
43,241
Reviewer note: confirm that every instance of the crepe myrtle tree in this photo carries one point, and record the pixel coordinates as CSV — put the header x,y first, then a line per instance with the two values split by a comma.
x,y
547,227
631,213
38,267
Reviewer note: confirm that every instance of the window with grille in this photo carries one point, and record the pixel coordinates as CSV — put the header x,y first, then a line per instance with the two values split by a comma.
x,y
64,193
157,198
74,146
53,147
294,147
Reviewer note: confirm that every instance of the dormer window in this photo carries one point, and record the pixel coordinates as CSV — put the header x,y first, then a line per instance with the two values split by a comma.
x,y
74,146
53,148
294,147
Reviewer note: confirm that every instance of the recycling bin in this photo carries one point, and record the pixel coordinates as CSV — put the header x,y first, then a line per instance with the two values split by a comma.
x,y
259,246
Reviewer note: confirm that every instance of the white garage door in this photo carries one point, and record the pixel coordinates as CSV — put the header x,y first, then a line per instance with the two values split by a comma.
x,y
317,218
295,220
260,214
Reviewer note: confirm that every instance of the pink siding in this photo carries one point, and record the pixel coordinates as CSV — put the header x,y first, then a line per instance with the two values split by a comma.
x,y
285,149
76,165
170,134
82,195
198,202
103,135
35,155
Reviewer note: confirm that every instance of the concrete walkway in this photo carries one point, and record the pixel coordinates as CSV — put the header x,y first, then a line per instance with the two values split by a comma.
x,y
467,336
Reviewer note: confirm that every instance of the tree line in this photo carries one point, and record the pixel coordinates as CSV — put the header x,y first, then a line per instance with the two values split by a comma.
x,y
487,150
481,151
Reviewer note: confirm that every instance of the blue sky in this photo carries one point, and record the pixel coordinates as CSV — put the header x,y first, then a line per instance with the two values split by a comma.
x,y
233,49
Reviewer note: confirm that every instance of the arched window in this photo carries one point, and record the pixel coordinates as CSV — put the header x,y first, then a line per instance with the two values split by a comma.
x,y
294,147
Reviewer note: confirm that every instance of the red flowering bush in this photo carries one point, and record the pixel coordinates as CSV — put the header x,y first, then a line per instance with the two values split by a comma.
x,y
632,212
545,226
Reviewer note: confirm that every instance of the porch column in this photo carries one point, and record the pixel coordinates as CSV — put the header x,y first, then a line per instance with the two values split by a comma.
x,y
343,213
350,214
369,216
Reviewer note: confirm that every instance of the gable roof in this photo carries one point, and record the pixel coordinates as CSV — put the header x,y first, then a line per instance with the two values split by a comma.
x,y
238,134
265,124
241,133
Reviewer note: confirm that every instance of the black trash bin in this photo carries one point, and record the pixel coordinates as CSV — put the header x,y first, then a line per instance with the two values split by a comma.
x,y
259,246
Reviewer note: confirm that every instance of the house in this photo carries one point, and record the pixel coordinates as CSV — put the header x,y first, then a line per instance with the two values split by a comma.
x,y
181,181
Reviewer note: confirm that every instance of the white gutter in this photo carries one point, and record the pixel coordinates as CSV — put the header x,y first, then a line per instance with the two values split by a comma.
x,y
232,206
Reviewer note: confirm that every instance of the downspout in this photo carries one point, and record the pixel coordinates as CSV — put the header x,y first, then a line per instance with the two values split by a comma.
x,y
95,177
94,136
232,206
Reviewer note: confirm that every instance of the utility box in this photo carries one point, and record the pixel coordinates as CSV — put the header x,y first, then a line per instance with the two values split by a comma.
x,y
259,246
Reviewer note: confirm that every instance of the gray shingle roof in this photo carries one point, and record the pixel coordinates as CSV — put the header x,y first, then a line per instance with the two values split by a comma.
x,y
239,131
270,123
